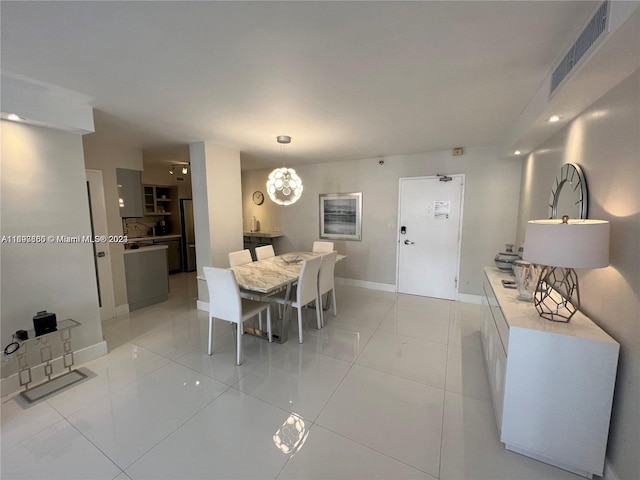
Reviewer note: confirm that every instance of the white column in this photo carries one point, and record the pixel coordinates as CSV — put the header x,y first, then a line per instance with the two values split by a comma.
x,y
217,206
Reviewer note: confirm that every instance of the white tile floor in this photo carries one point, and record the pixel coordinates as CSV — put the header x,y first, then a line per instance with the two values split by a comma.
x,y
394,387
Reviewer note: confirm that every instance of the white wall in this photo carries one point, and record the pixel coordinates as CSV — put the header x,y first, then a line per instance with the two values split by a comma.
x,y
489,217
44,192
605,141
106,156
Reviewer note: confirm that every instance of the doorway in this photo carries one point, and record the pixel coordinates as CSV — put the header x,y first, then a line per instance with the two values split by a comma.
x,y
101,251
429,238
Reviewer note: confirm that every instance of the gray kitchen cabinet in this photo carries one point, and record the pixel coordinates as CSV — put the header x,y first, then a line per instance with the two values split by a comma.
x,y
129,193
174,253
159,199
146,274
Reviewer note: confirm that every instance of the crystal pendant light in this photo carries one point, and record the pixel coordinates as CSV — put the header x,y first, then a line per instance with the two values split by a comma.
x,y
284,186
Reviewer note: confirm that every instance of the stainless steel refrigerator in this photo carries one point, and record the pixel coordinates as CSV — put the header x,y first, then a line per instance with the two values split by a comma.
x,y
188,235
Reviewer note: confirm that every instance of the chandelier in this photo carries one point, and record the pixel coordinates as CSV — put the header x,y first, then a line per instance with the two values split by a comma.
x,y
284,186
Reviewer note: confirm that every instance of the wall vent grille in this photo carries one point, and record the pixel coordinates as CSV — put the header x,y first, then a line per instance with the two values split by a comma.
x,y
596,27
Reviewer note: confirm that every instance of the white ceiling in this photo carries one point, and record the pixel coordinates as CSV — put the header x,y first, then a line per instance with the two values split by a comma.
x,y
344,79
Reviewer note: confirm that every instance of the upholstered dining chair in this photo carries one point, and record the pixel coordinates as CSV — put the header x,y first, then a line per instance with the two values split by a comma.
x,y
239,258
225,303
265,251
306,292
322,247
326,282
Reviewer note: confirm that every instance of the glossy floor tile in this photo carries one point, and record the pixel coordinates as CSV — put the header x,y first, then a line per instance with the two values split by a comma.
x,y
406,357
295,380
394,416
394,387
57,452
232,438
106,375
417,324
129,422
348,461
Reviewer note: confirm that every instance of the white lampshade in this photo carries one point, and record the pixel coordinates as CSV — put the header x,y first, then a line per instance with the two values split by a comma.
x,y
576,244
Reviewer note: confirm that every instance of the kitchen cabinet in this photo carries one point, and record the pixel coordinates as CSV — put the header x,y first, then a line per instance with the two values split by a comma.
x,y
174,253
129,193
146,275
159,200
551,383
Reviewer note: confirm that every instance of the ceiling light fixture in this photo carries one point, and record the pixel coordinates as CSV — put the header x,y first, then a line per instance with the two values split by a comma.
x,y
184,168
553,119
14,118
284,186
517,152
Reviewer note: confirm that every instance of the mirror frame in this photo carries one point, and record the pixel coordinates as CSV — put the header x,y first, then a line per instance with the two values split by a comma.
x,y
570,172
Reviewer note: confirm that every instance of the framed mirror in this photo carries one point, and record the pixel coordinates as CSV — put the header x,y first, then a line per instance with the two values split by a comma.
x,y
569,193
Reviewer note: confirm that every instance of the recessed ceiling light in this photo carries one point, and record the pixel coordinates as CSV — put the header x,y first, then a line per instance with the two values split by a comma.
x,y
14,118
553,118
517,152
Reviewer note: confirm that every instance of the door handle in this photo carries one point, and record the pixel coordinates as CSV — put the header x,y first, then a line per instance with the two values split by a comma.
x,y
409,242
101,254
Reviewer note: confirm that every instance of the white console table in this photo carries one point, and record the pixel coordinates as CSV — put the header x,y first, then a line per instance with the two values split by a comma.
x,y
552,383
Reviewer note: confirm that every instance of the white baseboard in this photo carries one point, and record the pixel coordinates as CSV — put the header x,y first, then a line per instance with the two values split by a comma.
x,y
609,473
384,287
468,298
122,309
11,384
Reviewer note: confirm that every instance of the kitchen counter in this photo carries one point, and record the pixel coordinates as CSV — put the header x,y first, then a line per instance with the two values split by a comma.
x,y
263,234
145,249
151,238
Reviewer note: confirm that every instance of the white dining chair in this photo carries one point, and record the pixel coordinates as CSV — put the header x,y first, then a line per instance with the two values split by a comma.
x,y
242,257
326,282
306,292
322,247
225,303
239,258
266,251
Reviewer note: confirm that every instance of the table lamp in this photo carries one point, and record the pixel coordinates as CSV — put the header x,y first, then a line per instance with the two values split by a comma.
x,y
560,246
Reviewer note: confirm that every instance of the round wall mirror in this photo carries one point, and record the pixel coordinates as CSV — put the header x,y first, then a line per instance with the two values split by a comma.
x,y
569,193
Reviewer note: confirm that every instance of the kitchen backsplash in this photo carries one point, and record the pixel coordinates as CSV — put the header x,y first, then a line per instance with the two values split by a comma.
x,y
142,227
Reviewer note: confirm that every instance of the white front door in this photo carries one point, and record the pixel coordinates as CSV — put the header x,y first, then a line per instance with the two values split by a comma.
x,y
101,253
430,219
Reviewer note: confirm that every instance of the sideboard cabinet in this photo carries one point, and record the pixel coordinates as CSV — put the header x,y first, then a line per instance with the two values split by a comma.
x,y
552,383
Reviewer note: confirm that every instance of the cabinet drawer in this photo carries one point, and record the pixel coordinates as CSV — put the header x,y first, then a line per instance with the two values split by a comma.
x,y
497,315
503,328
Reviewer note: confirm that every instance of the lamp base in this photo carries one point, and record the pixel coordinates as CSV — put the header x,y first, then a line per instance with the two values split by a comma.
x,y
557,296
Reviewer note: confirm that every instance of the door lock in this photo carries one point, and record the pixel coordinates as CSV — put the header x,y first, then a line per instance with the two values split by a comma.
x,y
409,242
101,254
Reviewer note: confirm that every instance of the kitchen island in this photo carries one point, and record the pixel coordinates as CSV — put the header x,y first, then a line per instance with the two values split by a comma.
x,y
172,241
147,276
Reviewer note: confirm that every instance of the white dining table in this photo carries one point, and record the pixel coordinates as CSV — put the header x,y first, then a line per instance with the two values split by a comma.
x,y
269,275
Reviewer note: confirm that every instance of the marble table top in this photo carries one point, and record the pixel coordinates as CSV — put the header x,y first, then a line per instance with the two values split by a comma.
x,y
274,273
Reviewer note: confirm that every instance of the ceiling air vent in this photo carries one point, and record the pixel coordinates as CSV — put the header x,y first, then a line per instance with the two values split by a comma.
x,y
596,27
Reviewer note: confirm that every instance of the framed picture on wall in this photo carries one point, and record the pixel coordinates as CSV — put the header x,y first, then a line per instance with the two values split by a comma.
x,y
341,216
